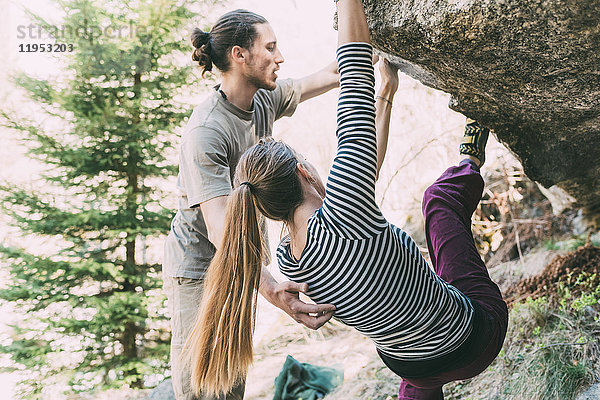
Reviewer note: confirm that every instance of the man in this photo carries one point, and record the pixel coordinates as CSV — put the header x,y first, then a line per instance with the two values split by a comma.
x,y
241,110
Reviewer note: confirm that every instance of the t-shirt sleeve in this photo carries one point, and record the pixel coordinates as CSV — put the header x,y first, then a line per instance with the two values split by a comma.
x,y
204,166
286,97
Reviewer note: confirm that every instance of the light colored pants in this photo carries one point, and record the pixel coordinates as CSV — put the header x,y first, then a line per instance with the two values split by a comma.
x,y
184,295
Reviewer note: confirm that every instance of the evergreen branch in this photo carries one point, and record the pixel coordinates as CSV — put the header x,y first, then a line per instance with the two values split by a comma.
x,y
38,90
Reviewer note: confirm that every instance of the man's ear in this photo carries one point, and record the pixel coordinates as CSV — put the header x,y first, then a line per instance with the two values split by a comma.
x,y
238,54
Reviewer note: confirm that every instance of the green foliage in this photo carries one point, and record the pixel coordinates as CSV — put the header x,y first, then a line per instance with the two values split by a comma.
x,y
93,312
587,292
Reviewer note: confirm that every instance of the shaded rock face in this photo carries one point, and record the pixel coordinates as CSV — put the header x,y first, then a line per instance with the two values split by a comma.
x,y
164,391
593,393
528,69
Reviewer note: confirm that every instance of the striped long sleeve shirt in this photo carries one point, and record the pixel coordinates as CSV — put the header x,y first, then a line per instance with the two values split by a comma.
x,y
355,259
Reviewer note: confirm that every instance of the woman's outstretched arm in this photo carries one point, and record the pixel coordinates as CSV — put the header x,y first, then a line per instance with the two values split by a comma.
x,y
349,207
383,105
352,23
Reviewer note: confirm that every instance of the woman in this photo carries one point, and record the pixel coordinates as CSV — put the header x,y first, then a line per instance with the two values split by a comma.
x,y
430,326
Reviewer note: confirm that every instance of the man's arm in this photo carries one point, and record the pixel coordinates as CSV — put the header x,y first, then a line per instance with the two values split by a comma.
x,y
283,295
213,212
320,82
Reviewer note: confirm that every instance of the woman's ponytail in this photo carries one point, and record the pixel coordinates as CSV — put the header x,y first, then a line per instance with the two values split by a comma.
x,y
220,344
219,348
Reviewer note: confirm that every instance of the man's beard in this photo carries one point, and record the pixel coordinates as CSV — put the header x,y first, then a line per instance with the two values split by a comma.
x,y
257,82
260,83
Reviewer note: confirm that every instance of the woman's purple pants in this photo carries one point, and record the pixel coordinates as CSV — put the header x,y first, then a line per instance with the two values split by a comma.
x,y
448,205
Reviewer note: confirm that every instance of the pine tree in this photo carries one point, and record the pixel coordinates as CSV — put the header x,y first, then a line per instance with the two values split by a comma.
x,y
90,311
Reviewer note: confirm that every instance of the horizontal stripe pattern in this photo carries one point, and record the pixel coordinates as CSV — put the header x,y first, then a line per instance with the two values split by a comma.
x,y
372,271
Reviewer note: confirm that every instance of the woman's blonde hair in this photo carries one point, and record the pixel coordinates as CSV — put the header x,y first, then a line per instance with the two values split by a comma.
x,y
219,348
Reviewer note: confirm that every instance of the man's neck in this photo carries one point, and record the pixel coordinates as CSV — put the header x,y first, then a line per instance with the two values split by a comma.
x,y
239,91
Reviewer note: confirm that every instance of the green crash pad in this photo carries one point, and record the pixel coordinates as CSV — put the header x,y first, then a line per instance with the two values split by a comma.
x,y
302,381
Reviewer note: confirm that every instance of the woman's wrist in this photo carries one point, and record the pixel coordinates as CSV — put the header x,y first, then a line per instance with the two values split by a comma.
x,y
387,94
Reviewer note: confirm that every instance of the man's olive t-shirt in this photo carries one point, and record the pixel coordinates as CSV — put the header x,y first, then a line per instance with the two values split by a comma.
x,y
215,137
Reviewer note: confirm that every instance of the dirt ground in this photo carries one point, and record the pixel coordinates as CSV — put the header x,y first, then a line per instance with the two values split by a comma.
x,y
562,271
334,345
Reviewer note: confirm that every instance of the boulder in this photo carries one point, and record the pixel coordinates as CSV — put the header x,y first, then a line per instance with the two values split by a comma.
x,y
528,69
592,393
164,391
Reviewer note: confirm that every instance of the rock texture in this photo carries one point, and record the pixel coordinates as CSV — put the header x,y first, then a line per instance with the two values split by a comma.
x,y
593,393
529,69
164,391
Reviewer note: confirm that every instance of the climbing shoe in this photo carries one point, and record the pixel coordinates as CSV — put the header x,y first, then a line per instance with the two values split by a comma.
x,y
474,140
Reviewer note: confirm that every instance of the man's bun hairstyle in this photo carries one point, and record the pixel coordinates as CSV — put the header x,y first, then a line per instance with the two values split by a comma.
x,y
202,49
235,28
